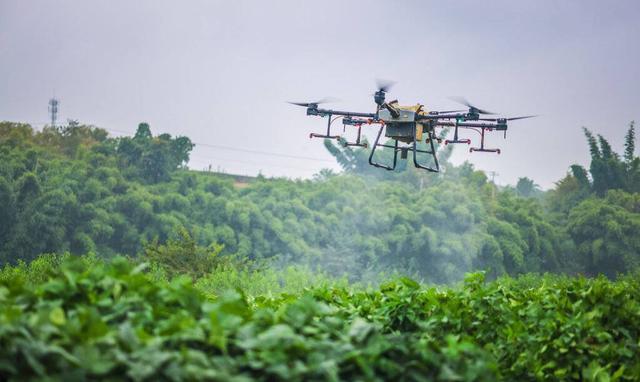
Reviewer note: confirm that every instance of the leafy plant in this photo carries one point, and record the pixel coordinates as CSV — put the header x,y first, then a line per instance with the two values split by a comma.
x,y
91,319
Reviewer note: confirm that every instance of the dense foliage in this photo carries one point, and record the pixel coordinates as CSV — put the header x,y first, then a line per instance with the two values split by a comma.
x,y
223,282
599,208
76,189
80,319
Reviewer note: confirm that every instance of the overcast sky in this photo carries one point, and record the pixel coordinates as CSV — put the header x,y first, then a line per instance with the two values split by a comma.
x,y
220,72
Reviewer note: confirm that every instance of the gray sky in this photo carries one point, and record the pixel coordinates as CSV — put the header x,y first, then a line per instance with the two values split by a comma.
x,y
221,71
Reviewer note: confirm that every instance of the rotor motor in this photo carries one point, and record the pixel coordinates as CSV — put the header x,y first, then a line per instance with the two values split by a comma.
x,y
378,97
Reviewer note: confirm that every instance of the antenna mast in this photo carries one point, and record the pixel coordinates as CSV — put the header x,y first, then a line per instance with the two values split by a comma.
x,y
53,111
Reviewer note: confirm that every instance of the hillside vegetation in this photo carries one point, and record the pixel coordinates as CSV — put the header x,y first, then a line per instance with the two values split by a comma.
x,y
75,189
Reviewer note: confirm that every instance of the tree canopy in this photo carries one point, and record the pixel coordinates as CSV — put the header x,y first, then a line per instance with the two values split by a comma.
x,y
77,189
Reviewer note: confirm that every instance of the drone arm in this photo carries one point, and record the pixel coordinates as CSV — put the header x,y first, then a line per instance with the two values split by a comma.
x,y
482,125
436,117
323,112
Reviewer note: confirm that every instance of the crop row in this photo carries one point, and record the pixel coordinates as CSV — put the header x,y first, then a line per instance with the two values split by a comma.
x,y
113,320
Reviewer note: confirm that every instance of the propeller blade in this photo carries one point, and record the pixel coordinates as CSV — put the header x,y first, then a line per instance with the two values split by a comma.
x,y
384,85
460,100
326,100
319,102
300,104
464,101
526,116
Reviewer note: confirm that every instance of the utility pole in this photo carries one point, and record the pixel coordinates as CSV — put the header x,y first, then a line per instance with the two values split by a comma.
x,y
53,111
493,180
493,176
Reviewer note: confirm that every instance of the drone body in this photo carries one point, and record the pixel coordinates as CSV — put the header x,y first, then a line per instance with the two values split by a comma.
x,y
402,126
409,125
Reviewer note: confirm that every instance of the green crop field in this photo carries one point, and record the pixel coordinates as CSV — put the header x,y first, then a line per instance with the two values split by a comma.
x,y
85,319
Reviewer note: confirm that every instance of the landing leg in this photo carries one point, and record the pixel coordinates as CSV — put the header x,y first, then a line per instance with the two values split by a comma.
x,y
455,137
373,150
432,152
357,142
481,148
328,135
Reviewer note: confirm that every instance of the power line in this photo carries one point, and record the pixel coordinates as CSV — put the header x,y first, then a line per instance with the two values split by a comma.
x,y
229,148
257,165
262,152
207,158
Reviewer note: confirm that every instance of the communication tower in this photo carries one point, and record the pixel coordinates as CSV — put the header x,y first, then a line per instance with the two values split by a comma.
x,y
53,111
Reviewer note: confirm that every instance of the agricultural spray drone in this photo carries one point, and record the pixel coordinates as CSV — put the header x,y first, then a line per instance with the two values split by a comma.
x,y
409,125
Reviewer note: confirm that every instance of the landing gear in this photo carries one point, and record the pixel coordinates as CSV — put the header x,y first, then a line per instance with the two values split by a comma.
x,y
373,151
455,137
357,124
431,151
481,148
404,152
328,135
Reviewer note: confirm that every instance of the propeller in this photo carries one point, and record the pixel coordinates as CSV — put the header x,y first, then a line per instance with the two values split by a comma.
x,y
316,103
384,85
506,119
463,101
383,88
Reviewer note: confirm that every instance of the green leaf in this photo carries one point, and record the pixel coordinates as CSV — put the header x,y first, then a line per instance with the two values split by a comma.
x,y
57,316
360,329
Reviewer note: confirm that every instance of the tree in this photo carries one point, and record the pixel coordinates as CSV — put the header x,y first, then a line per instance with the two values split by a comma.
x,y
606,233
28,188
153,158
182,255
527,188
351,160
608,171
632,162
7,211
143,133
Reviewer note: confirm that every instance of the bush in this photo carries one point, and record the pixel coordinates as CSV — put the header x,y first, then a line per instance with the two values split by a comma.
x,y
183,256
113,320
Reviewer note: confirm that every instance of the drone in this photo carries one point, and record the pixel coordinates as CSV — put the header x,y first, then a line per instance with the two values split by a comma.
x,y
408,125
